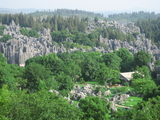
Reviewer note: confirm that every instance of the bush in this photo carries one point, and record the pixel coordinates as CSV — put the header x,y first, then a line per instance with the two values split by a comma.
x,y
5,38
29,33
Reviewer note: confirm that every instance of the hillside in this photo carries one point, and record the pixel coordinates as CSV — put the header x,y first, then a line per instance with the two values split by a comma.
x,y
58,67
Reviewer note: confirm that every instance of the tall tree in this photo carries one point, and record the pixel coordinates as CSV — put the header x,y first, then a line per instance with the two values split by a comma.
x,y
141,58
94,108
112,61
127,59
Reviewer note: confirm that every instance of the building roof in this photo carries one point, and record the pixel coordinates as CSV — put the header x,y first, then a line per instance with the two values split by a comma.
x,y
127,76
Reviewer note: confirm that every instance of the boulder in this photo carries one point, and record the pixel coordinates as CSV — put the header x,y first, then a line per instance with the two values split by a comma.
x,y
106,93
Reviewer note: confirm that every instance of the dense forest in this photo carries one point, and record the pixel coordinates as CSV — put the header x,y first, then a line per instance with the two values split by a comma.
x,y
67,13
134,16
151,28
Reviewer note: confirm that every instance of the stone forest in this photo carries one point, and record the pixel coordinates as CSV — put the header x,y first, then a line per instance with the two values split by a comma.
x,y
81,66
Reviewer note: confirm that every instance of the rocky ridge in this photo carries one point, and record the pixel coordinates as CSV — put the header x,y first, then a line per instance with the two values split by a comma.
x,y
79,93
20,47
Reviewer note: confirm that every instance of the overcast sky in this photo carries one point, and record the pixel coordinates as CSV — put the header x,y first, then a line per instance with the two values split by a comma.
x,y
88,5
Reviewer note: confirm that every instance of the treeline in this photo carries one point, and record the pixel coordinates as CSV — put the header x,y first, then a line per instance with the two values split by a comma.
x,y
61,28
134,16
67,13
151,28
55,23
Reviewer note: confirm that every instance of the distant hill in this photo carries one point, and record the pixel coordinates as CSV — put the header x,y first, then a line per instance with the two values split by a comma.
x,y
68,13
134,16
6,10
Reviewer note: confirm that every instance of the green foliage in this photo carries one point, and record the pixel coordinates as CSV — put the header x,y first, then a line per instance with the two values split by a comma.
x,y
132,101
72,69
142,72
94,108
141,58
95,55
38,106
133,17
82,39
151,29
146,110
143,86
59,36
121,90
112,61
65,83
89,69
29,33
2,58
157,63
1,29
5,38
51,62
106,75
96,19
6,77
4,102
37,75
127,59
113,33
68,13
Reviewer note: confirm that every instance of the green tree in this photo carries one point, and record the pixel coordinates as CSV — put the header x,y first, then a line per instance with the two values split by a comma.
x,y
112,61
96,19
72,69
35,73
146,110
40,106
29,33
5,38
142,72
157,63
127,59
94,108
1,29
6,77
106,75
89,69
143,86
2,58
142,58
65,83
4,102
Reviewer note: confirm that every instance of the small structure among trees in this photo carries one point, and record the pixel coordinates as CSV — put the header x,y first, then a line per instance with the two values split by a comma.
x,y
126,76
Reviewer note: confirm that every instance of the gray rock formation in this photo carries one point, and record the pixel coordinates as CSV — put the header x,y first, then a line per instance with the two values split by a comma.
x,y
113,107
21,48
106,93
119,98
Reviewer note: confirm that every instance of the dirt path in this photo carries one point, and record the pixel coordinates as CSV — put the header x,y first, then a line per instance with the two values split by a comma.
x,y
122,106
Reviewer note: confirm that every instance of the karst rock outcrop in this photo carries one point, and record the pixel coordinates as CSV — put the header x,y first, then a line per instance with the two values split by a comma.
x,y
20,48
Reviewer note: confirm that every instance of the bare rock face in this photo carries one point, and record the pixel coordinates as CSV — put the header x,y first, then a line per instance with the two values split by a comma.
x,y
141,43
113,107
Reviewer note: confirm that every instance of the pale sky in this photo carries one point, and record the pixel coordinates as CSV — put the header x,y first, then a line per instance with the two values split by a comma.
x,y
88,5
